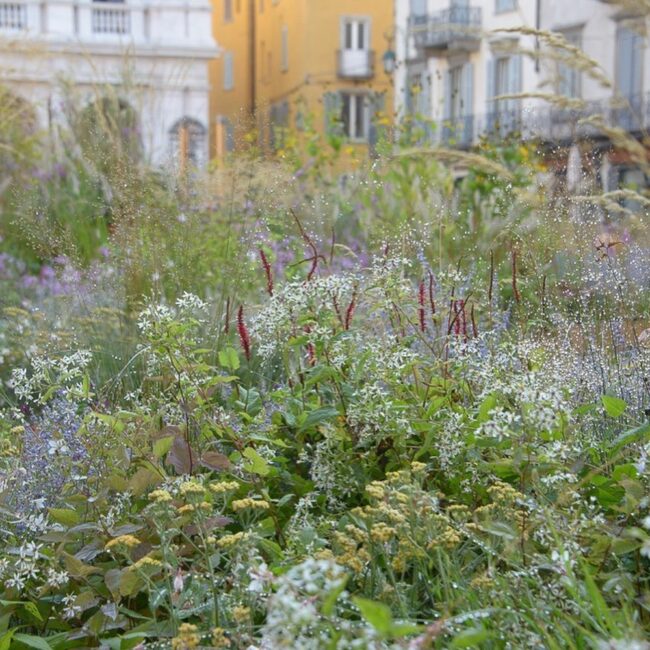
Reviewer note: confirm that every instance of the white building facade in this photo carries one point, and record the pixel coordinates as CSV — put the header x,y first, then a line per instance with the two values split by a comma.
x,y
153,55
477,67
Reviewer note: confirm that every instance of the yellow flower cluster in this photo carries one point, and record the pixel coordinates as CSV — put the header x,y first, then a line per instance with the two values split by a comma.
x,y
376,490
191,507
223,486
160,496
191,488
241,613
248,503
129,541
147,562
482,581
219,638
231,540
382,533
503,493
448,539
188,637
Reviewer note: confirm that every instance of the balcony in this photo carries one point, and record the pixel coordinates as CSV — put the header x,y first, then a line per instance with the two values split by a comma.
x,y
13,16
111,18
110,24
548,124
355,64
457,29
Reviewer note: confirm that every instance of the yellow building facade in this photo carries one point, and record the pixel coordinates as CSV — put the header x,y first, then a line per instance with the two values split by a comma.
x,y
298,64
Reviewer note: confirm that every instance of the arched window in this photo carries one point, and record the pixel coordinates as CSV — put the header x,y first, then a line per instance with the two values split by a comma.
x,y
18,131
109,129
188,142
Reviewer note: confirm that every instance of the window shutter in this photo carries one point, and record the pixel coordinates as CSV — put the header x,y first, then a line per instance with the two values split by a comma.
x,y
624,61
491,85
375,131
418,7
467,103
516,64
228,71
446,114
332,105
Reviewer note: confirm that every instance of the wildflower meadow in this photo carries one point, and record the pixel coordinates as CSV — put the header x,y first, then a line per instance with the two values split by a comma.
x,y
298,403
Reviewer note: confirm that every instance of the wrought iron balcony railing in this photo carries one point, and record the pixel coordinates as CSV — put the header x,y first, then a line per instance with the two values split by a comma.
x,y
13,16
355,64
547,124
111,18
455,29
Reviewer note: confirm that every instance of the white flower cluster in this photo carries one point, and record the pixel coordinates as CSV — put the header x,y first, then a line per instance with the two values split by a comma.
x,y
294,612
275,324
48,372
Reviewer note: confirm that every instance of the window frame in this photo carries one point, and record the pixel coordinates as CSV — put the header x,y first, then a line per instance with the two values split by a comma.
x,y
505,6
228,11
573,36
284,48
228,70
356,101
356,22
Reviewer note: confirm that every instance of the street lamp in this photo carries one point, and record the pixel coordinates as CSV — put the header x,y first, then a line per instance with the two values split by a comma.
x,y
390,61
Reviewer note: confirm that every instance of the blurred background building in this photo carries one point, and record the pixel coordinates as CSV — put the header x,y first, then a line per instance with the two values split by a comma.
x,y
287,62
466,71
144,62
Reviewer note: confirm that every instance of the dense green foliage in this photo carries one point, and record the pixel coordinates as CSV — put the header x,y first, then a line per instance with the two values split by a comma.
x,y
400,408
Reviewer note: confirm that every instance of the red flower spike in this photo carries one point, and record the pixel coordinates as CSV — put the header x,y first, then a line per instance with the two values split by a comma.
x,y
421,298
244,336
432,300
350,311
267,271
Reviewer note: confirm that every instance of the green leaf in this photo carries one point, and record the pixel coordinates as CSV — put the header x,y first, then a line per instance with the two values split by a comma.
x,y
633,435
614,406
471,638
31,608
76,568
377,614
162,446
229,358
33,641
130,583
5,640
257,464
487,405
65,516
316,417
330,600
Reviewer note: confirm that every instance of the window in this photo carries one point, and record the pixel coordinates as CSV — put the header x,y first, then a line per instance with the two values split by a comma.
x,y
355,116
418,98
459,103
356,34
418,7
227,11
629,62
188,139
228,71
279,124
505,5
285,49
629,77
568,77
505,78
